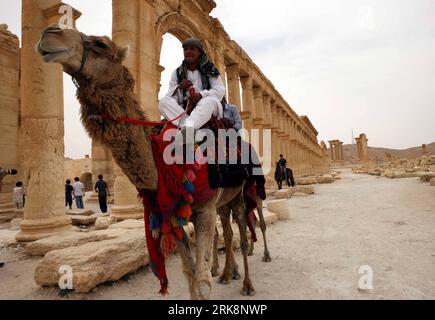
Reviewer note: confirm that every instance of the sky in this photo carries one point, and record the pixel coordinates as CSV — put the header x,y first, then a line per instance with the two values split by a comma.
x,y
360,66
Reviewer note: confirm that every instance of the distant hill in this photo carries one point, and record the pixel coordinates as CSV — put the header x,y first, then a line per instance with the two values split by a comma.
x,y
350,152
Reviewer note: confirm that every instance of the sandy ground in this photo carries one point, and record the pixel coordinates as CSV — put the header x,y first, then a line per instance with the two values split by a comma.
x,y
359,220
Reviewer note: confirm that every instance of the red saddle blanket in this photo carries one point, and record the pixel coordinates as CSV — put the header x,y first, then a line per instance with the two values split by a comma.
x,y
168,210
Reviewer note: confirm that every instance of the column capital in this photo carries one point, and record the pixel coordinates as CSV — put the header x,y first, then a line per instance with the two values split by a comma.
x,y
53,12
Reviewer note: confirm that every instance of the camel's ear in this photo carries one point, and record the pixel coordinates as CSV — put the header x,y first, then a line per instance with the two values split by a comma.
x,y
122,53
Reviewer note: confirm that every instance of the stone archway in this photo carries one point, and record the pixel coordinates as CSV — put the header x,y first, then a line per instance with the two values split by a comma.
x,y
86,179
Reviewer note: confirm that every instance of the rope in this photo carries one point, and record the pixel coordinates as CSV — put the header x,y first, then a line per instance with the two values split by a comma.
x,y
107,116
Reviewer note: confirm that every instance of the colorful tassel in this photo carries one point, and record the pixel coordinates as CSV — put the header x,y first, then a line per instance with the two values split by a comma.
x,y
174,221
154,221
167,244
166,227
179,233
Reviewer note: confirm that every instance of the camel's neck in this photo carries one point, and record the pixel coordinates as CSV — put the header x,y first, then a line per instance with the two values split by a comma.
x,y
130,144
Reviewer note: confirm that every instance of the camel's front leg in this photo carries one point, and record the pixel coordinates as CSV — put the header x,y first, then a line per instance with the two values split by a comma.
x,y
188,265
204,222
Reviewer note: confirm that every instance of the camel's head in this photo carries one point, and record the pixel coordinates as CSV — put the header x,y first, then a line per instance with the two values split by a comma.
x,y
97,58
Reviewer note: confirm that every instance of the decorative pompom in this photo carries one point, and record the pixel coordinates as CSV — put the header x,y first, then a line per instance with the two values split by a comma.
x,y
185,212
182,221
188,197
189,187
190,175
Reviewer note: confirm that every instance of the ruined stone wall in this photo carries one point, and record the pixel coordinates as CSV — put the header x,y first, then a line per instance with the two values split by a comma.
x,y
76,168
9,107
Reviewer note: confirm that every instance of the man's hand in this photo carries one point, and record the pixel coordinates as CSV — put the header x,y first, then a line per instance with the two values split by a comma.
x,y
185,84
195,99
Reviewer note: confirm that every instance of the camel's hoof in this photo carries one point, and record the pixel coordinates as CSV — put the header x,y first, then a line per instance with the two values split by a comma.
x,y
224,280
204,290
266,259
248,291
236,275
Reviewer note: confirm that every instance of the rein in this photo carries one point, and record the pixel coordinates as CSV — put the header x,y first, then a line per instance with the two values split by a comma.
x,y
107,116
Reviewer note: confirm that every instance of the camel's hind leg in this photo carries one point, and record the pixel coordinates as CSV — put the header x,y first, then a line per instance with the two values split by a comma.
x,y
204,222
239,210
266,257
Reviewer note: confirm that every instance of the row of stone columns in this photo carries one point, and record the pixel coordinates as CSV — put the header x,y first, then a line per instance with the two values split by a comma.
x,y
336,150
261,111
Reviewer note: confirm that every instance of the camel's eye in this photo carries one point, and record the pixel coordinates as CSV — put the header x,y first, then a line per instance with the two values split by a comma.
x,y
101,45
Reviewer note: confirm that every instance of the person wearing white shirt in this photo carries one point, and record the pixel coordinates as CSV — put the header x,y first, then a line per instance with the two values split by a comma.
x,y
197,71
78,192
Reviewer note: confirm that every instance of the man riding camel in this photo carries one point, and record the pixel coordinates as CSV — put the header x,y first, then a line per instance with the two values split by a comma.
x,y
197,71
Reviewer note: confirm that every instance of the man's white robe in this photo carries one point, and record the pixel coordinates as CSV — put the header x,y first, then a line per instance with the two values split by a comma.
x,y
171,105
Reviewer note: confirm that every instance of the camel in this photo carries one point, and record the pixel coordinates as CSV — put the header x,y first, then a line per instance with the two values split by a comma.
x,y
231,268
280,177
105,86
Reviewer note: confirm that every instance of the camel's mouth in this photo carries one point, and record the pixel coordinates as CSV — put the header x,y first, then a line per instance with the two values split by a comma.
x,y
51,55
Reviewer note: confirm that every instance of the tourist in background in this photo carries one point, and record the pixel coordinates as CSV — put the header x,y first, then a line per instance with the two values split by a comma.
x,y
231,112
103,192
78,192
68,194
19,195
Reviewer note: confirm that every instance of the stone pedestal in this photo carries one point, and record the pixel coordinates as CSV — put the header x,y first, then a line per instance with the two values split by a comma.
x,y
127,205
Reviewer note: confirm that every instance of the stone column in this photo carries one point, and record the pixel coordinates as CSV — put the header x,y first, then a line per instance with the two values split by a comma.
x,y
219,59
341,151
258,117
42,129
275,132
133,26
248,102
233,85
364,147
9,113
358,147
